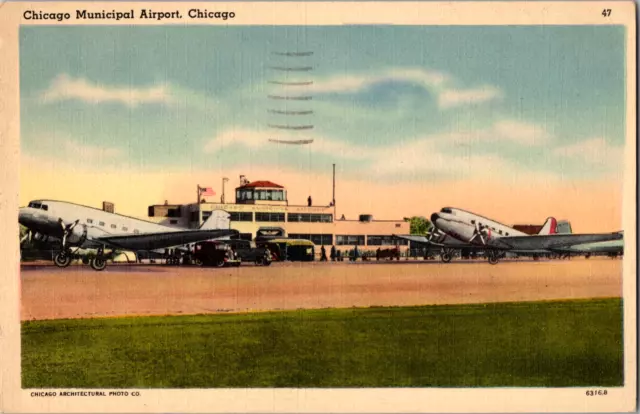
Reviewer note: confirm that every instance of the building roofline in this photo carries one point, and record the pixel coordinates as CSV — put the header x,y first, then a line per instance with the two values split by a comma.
x,y
261,184
270,205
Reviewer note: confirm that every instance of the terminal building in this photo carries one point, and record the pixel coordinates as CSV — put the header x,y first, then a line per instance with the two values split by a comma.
x,y
262,208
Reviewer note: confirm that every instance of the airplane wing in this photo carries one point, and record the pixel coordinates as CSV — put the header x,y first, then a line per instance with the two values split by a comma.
x,y
440,241
153,241
412,238
550,241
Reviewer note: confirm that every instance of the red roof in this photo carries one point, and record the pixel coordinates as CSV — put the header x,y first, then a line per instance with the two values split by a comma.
x,y
263,184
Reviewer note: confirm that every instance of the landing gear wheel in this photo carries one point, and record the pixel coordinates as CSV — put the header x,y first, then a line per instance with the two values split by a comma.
x,y
98,263
493,259
266,262
197,262
445,257
219,263
62,259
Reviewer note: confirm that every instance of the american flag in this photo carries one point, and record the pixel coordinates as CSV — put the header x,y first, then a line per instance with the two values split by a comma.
x,y
206,191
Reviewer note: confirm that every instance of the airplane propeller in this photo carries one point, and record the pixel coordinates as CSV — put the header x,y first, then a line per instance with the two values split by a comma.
x,y
479,232
27,236
66,230
434,233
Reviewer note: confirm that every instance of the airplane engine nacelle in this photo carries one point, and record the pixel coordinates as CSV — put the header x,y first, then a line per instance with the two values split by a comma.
x,y
39,236
78,235
439,237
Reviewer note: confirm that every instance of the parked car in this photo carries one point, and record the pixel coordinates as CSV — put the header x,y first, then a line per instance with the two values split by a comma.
x,y
214,253
247,251
299,250
390,254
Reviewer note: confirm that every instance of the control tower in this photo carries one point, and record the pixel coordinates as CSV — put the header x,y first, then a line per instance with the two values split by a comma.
x,y
261,192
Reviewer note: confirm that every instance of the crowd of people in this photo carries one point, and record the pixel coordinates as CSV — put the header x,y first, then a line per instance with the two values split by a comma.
x,y
337,256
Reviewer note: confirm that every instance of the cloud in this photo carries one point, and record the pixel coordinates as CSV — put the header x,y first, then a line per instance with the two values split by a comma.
x,y
505,131
90,153
239,136
253,139
65,88
57,148
353,84
521,132
593,151
435,82
450,98
426,155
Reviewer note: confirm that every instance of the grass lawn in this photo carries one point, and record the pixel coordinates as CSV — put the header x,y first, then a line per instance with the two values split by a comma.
x,y
556,344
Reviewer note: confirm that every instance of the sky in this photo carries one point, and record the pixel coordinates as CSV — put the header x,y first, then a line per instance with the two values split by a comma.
x,y
517,123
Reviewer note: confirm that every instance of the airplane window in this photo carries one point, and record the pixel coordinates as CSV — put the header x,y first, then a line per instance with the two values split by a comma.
x,y
493,228
125,229
89,221
499,231
473,222
113,226
507,234
135,231
101,223
45,207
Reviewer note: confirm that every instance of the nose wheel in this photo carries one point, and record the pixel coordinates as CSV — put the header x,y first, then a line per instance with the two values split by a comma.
x,y
493,257
446,255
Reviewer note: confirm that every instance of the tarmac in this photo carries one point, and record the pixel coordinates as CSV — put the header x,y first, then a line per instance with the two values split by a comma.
x,y
128,290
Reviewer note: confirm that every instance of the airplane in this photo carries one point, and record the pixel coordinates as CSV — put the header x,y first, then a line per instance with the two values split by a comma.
x,y
87,227
448,244
497,238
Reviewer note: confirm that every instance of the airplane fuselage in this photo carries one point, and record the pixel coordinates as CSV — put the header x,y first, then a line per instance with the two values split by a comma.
x,y
464,226
43,216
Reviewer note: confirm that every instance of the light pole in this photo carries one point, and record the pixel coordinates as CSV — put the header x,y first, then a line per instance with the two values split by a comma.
x,y
224,180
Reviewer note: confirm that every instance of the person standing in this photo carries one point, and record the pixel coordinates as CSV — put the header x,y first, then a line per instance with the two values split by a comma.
x,y
333,253
309,201
323,254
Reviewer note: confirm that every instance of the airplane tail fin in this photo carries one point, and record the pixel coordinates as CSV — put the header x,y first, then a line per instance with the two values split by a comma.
x,y
219,220
564,227
550,227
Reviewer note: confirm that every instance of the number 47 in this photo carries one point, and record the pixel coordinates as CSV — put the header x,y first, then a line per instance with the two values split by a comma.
x,y
606,12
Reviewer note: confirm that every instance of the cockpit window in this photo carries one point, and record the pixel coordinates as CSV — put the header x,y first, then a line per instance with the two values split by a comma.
x,y
446,210
45,207
35,205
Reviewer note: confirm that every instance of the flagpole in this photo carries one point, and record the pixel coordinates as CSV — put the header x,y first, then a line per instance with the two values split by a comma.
x,y
198,206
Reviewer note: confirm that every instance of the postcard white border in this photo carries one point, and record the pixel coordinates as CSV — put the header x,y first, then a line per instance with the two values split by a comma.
x,y
14,399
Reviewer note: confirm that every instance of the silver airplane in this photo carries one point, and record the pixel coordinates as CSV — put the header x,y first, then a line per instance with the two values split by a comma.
x,y
78,226
497,239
